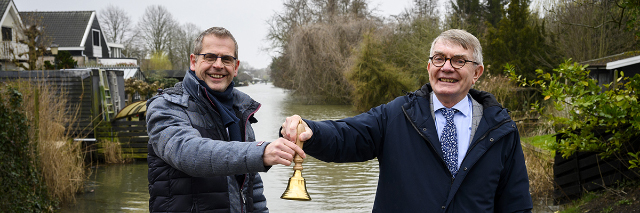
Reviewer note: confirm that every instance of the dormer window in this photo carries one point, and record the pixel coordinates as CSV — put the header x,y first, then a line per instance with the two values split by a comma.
x,y
7,34
96,38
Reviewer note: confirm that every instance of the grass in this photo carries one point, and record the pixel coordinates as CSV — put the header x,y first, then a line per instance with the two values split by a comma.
x,y
575,207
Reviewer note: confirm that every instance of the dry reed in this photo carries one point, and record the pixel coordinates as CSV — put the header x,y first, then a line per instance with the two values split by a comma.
x,y
61,160
540,169
112,151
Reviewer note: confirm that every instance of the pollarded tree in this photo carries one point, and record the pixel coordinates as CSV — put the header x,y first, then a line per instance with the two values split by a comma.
x,y
35,39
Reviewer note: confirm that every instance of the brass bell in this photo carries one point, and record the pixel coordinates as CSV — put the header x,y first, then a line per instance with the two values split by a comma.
x,y
297,187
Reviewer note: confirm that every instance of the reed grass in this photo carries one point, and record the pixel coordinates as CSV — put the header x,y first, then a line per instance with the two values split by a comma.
x,y
112,151
60,159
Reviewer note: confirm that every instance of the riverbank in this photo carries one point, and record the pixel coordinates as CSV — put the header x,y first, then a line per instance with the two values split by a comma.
x,y
625,198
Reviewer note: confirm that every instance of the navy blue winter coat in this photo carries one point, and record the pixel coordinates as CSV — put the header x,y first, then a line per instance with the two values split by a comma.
x,y
413,175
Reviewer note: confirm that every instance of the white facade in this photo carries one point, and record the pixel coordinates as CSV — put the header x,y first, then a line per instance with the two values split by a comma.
x,y
10,34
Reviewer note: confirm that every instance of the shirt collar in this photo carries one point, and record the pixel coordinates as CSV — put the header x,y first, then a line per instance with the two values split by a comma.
x,y
463,106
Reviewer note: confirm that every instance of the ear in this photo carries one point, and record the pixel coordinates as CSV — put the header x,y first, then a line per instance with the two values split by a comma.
x,y
192,62
236,68
477,73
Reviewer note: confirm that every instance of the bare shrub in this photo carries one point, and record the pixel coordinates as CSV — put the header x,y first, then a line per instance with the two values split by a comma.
x,y
319,57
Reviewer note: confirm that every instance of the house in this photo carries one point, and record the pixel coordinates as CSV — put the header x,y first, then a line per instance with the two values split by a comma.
x,y
607,69
11,34
75,31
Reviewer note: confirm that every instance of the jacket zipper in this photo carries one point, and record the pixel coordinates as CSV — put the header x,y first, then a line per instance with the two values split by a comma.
x,y
246,122
244,201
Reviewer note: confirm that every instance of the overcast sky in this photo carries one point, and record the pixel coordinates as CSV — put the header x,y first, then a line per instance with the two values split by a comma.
x,y
246,19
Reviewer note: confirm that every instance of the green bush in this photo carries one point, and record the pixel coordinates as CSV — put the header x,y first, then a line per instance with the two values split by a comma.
x,y
601,119
22,189
390,61
375,82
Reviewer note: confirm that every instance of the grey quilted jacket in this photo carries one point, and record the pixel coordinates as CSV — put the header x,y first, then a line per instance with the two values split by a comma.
x,y
192,165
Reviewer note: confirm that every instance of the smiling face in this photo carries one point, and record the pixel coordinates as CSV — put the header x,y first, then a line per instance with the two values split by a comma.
x,y
216,74
450,84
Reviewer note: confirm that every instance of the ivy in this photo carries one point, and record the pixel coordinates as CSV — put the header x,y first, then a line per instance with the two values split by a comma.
x,y
601,119
21,188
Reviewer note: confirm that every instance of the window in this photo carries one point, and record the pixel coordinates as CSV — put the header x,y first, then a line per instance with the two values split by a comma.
x,y
7,35
96,38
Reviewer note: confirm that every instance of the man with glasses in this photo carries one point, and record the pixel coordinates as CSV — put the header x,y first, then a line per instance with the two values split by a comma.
x,y
443,148
202,151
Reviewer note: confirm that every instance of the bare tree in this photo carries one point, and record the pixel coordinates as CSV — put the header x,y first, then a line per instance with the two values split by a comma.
x,y
35,38
115,23
156,27
591,29
183,44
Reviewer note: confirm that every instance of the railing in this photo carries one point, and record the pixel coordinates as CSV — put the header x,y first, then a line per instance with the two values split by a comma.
x,y
106,66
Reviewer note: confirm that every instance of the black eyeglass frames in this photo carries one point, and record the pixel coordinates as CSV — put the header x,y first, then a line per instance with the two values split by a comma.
x,y
211,58
455,61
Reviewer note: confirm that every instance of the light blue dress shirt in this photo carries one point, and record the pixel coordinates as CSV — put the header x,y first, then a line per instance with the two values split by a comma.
x,y
462,119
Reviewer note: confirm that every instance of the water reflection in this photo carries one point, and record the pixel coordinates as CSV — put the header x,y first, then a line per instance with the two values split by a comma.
x,y
114,188
346,187
333,187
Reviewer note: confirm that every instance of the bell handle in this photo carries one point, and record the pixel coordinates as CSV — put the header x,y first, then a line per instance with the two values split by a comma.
x,y
297,159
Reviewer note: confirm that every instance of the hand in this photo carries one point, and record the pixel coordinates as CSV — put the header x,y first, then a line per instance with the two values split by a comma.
x,y
281,151
290,129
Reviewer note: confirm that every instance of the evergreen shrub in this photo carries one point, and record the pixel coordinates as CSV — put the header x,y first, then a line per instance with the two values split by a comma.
x,y
22,189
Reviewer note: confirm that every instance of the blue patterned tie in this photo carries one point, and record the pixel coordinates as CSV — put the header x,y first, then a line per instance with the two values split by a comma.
x,y
449,140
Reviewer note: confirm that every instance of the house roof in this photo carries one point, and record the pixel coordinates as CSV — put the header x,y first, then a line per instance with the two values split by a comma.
x,y
65,28
615,61
5,9
4,4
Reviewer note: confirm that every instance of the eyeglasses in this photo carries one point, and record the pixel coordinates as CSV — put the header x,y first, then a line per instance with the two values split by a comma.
x,y
211,58
455,61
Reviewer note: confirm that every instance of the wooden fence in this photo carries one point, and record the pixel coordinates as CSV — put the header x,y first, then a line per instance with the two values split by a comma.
x,y
132,136
587,171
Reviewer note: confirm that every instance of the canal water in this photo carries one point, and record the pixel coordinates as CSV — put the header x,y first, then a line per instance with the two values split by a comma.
x,y
346,187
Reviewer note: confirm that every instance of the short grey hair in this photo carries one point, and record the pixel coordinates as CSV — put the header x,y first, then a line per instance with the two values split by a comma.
x,y
218,32
462,38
